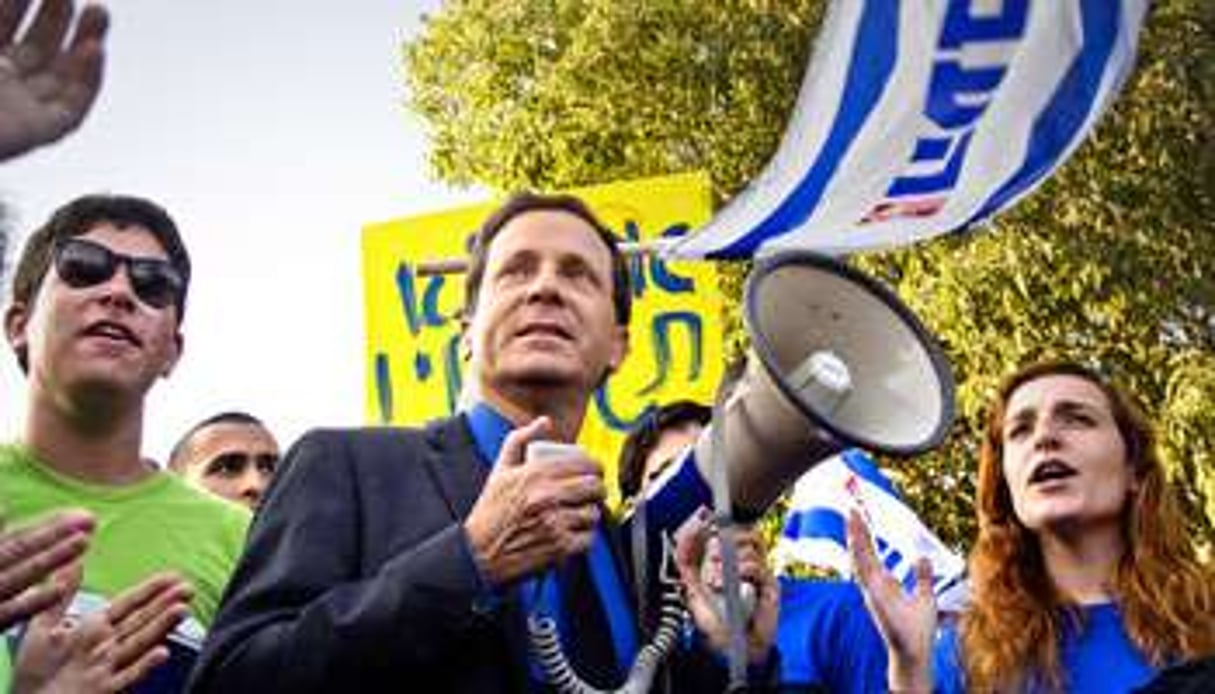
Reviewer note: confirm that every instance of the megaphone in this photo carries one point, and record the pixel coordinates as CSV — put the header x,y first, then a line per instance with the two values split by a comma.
x,y
836,361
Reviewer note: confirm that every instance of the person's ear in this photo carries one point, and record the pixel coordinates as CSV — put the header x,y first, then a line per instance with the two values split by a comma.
x,y
465,321
16,321
620,347
1136,482
465,347
178,344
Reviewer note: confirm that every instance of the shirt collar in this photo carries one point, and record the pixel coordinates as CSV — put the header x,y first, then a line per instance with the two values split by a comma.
x,y
489,431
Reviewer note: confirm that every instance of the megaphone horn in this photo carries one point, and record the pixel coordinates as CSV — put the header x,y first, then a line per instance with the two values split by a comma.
x,y
836,361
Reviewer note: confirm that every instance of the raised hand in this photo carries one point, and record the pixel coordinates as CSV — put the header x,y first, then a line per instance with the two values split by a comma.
x,y
105,651
532,514
47,86
907,622
698,557
30,555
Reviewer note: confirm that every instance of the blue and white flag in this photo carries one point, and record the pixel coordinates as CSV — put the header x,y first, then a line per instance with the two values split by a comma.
x,y
926,117
815,534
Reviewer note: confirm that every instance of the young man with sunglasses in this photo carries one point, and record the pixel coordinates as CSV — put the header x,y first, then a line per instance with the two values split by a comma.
x,y
48,82
98,298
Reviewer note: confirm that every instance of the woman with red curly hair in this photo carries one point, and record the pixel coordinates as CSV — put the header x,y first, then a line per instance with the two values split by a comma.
x,y
1083,576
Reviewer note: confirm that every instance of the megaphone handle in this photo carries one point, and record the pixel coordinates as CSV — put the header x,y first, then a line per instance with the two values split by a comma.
x,y
747,595
641,559
736,650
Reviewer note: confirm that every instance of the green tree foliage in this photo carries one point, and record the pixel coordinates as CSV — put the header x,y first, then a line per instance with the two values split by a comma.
x,y
559,93
1112,261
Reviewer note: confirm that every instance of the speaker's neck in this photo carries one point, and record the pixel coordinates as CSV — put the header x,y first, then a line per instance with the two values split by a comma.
x,y
522,405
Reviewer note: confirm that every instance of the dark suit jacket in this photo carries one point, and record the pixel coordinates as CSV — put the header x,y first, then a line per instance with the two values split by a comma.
x,y
358,577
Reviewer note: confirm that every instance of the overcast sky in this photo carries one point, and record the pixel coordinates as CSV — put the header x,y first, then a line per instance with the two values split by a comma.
x,y
272,131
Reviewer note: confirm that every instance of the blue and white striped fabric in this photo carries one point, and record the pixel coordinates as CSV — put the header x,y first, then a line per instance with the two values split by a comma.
x,y
926,117
814,531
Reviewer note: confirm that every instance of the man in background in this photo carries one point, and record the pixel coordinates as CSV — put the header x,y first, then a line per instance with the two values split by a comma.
x,y
232,455
654,444
826,639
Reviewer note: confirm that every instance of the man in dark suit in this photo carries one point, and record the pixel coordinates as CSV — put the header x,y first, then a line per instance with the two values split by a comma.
x,y
420,560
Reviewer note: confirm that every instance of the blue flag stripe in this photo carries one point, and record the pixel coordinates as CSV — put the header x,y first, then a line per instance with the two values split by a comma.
x,y
873,60
815,527
816,522
1063,118
825,190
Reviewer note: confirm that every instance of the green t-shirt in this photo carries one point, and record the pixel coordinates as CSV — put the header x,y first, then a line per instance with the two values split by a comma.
x,y
154,525
6,675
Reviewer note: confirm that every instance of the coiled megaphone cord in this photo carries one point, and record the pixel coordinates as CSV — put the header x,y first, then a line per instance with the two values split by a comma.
x,y
545,645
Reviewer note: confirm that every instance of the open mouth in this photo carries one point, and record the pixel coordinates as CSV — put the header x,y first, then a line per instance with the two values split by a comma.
x,y
112,331
1051,471
545,330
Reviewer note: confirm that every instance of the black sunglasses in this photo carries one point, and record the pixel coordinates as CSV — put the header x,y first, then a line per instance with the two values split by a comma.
x,y
82,263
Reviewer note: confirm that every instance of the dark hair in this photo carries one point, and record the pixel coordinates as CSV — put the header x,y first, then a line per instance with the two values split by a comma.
x,y
78,217
228,417
644,437
520,203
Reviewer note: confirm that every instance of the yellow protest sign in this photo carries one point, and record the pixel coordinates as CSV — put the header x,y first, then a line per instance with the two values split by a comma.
x,y
413,341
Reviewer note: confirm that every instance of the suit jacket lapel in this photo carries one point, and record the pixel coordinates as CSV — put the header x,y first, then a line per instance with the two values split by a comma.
x,y
454,465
